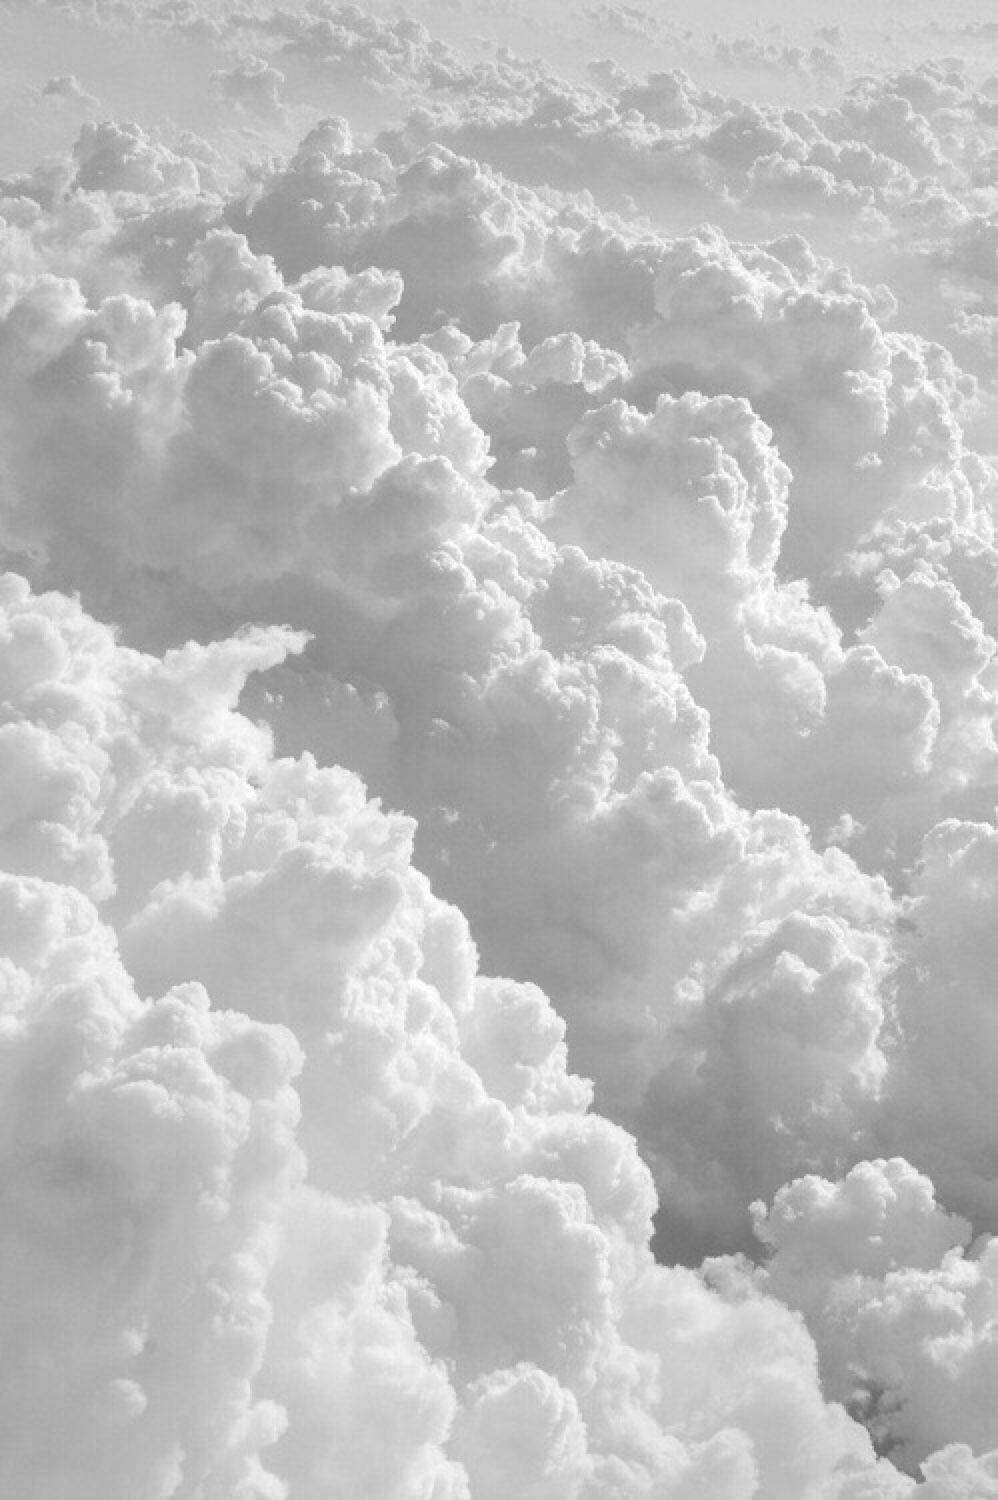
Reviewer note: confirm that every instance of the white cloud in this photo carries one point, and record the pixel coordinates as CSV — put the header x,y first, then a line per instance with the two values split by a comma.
x,y
648,571
524,698
459,1293
67,87
253,85
902,1316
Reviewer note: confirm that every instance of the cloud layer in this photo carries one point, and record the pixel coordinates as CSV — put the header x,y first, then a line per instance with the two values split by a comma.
x,y
646,566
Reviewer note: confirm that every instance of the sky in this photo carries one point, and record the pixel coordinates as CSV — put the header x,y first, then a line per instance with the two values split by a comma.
x,y
497,750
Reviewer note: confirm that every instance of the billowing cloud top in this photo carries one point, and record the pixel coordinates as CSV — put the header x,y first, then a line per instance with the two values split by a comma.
x,y
540,529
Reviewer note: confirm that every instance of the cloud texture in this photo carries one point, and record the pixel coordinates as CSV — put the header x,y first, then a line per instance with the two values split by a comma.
x,y
551,540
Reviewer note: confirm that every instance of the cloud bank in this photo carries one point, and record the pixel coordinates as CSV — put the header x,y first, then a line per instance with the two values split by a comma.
x,y
551,539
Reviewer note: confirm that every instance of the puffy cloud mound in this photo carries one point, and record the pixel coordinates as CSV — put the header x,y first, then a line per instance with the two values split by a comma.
x,y
647,566
902,1314
525,698
321,1210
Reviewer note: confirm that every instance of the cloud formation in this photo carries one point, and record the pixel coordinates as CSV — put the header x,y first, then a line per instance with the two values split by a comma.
x,y
643,569
327,1209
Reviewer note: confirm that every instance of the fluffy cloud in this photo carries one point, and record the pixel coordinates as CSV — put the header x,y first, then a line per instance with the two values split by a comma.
x,y
253,85
516,670
945,1017
67,87
649,570
902,1314
749,54
347,1223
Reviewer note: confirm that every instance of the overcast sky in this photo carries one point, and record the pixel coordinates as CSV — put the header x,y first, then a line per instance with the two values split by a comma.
x,y
497,760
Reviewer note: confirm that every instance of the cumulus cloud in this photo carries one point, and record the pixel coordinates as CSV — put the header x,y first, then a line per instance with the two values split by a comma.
x,y
461,625
253,85
327,1209
749,54
644,570
901,1309
68,87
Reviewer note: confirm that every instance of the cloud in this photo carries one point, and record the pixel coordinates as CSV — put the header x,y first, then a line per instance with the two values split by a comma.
x,y
515,668
749,54
940,1082
901,1311
631,20
253,85
647,569
69,88
348,1221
